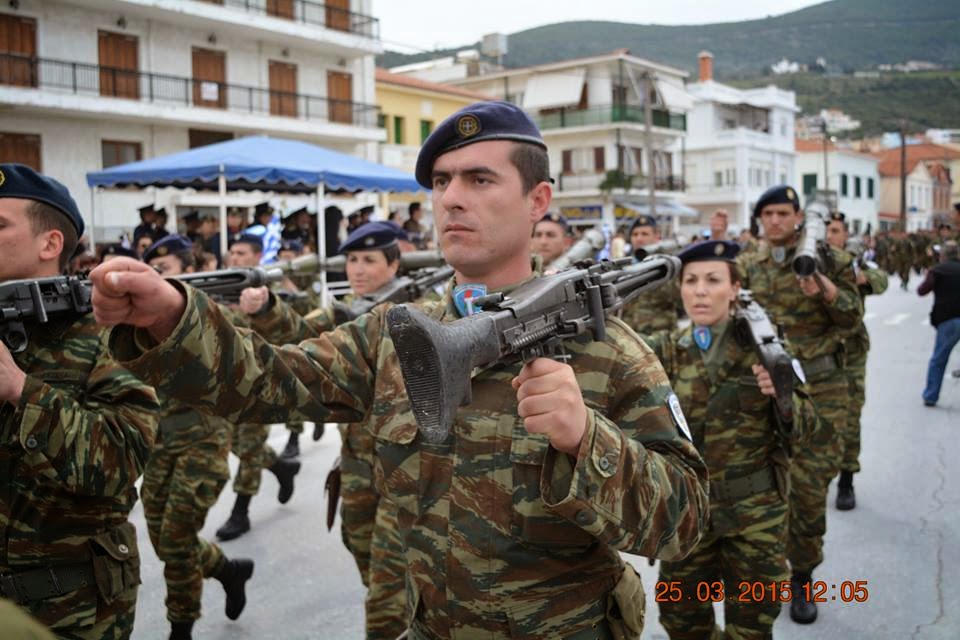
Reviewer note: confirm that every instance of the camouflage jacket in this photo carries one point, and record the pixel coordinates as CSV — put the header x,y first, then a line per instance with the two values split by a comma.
x,y
72,448
504,535
736,428
283,323
653,311
814,327
858,344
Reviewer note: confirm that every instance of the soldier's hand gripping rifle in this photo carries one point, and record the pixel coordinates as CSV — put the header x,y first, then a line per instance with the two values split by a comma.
x,y
38,301
755,327
224,286
530,322
403,289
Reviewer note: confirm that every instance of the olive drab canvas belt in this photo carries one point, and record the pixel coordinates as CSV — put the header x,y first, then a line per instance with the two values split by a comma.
x,y
48,582
819,365
738,488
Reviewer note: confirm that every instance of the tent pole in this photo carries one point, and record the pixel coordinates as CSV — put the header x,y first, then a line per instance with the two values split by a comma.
x,y
222,184
322,246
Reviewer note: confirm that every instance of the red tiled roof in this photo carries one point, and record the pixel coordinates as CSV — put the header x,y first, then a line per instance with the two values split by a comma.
x,y
927,152
382,75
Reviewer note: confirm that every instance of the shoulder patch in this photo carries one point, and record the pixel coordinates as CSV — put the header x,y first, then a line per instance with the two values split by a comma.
x,y
673,403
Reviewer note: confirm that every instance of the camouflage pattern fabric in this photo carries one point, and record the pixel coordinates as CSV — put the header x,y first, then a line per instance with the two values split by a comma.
x,y
737,432
653,311
503,535
856,348
250,446
816,331
75,444
295,427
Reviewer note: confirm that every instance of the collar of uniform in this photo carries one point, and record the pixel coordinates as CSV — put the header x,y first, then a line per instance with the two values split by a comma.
x,y
450,308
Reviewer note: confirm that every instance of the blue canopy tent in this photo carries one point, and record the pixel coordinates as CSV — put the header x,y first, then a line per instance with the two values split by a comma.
x,y
258,163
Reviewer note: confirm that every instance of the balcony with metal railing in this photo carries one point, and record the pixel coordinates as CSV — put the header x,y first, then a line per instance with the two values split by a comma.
x,y
572,117
91,80
310,13
592,181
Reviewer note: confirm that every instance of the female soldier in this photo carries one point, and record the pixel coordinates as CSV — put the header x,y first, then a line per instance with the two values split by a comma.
x,y
368,524
727,398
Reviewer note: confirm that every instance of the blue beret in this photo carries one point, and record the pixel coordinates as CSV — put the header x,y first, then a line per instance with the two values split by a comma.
x,y
781,194
556,218
643,221
118,250
169,245
251,239
291,244
20,181
494,120
723,250
263,207
373,235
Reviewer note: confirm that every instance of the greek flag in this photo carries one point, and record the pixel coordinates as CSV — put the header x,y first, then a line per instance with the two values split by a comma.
x,y
270,235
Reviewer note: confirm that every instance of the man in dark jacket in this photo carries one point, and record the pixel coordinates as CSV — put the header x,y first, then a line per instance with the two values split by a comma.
x,y
944,281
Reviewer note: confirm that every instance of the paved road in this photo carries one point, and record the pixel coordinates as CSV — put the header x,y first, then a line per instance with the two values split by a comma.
x,y
903,538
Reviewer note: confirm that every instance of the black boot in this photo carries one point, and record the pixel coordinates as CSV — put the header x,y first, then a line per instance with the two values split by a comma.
x,y
181,630
846,500
802,611
238,523
292,450
233,575
318,428
285,470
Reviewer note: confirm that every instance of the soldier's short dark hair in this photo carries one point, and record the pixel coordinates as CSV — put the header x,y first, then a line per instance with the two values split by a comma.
x,y
734,272
44,217
188,259
391,253
532,162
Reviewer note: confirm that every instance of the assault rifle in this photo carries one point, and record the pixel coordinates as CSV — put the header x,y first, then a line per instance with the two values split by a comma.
x,y
530,322
311,263
662,247
404,289
224,286
754,326
41,300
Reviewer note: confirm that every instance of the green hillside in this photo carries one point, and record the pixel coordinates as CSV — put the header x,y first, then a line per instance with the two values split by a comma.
x,y
849,34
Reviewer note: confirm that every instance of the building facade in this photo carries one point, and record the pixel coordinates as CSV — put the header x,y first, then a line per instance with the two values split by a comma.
x,y
739,144
87,85
853,176
592,115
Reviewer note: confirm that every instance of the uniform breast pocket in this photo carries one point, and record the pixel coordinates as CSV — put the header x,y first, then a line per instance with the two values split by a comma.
x,y
530,520
397,465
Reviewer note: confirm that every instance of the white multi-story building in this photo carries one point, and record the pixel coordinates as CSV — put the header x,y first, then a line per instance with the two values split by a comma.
x,y
592,117
85,85
853,176
739,143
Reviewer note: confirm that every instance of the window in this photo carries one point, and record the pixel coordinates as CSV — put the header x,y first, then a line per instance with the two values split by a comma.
x,y
201,137
398,129
20,147
381,120
426,126
809,183
599,161
718,178
856,187
283,88
870,188
567,160
844,187
115,152
119,75
856,227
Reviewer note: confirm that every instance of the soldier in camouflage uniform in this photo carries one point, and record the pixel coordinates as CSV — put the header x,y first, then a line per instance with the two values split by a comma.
x,y
871,280
656,310
816,313
746,444
186,472
512,525
368,522
75,433
250,439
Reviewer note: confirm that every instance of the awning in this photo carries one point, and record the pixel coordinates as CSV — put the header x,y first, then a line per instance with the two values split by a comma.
x,y
676,98
550,90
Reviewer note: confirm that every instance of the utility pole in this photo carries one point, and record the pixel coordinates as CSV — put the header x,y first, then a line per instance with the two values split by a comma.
x,y
903,176
826,171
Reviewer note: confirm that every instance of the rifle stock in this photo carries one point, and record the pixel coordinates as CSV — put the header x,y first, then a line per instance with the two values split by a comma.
x,y
755,326
436,359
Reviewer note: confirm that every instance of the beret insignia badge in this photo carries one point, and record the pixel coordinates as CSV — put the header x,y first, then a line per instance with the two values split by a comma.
x,y
468,125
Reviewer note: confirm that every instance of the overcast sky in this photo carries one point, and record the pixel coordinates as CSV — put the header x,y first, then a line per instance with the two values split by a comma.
x,y
438,24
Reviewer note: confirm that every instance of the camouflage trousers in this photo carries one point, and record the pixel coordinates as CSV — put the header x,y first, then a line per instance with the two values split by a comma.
x,y
179,488
250,445
295,427
83,615
856,370
814,465
739,558
371,533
